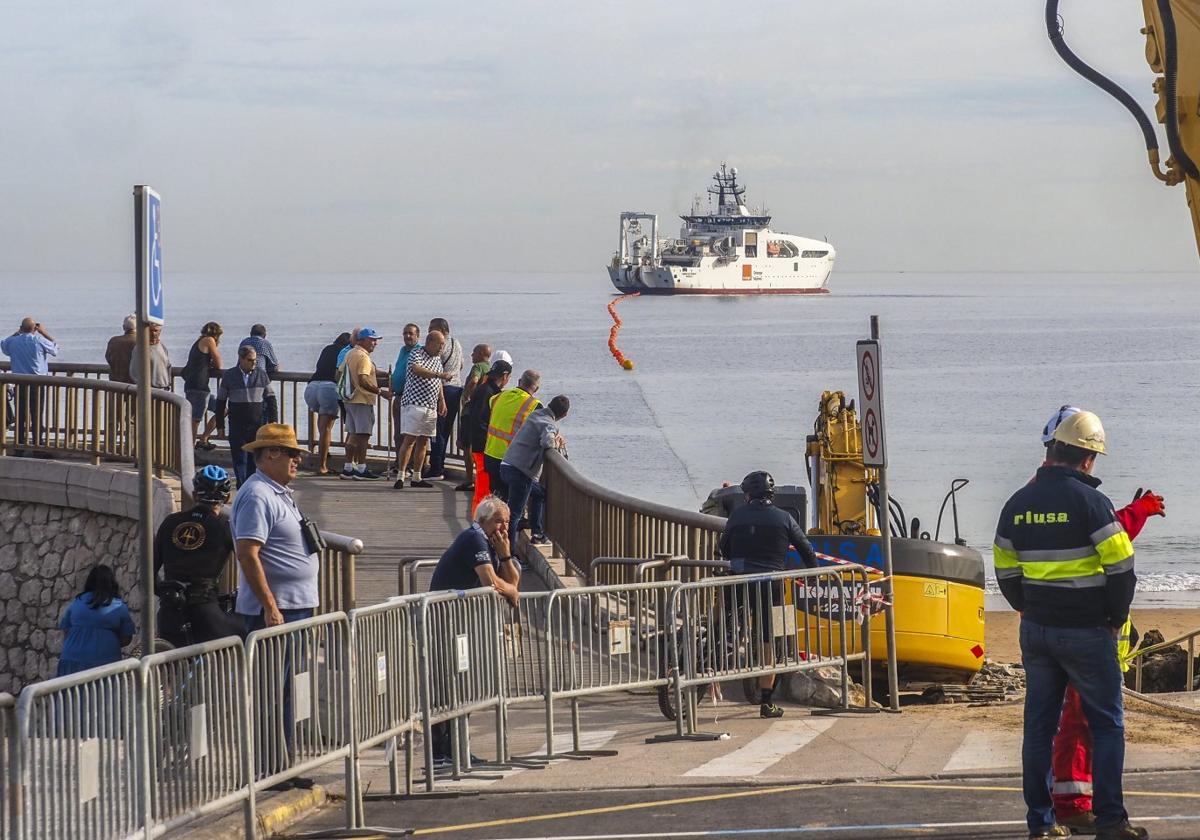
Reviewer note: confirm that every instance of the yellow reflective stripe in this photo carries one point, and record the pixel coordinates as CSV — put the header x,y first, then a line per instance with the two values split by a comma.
x,y
523,412
1115,549
1005,558
1055,570
1124,651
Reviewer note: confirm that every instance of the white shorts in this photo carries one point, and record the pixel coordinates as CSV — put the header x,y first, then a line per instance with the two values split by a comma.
x,y
360,419
418,421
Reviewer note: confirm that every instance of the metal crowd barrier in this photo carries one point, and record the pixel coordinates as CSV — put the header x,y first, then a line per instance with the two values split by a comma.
x,y
601,639
302,696
8,765
739,626
385,686
409,570
461,669
75,736
198,728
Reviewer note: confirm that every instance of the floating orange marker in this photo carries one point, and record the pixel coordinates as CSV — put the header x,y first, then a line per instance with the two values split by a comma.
x,y
616,328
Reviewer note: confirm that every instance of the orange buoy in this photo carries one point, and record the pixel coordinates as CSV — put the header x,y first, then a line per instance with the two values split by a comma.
x,y
627,364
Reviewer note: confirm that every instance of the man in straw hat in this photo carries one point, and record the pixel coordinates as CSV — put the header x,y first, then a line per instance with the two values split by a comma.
x,y
278,548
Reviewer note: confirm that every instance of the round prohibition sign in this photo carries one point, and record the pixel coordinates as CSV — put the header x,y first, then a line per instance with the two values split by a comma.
x,y
867,376
871,433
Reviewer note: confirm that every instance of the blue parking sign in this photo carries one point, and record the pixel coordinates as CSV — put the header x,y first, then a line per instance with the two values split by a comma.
x,y
148,214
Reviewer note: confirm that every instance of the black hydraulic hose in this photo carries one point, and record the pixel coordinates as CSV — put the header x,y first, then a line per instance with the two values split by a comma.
x,y
1095,77
1171,77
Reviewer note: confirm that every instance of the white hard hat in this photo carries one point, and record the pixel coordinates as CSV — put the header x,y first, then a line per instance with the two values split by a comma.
x,y
501,356
1082,429
1057,417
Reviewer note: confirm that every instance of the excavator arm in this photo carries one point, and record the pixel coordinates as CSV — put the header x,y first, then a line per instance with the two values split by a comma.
x,y
1173,52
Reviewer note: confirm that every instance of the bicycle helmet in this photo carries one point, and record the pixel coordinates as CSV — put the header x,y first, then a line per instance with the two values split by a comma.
x,y
759,485
212,485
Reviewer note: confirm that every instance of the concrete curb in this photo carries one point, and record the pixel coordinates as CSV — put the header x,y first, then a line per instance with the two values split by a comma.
x,y
283,810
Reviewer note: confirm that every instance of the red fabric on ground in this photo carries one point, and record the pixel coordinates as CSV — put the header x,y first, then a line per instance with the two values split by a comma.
x,y
483,484
1072,759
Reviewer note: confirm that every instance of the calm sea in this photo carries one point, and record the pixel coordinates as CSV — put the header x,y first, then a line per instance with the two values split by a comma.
x,y
973,365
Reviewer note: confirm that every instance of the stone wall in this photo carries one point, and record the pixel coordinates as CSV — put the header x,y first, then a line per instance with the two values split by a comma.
x,y
57,521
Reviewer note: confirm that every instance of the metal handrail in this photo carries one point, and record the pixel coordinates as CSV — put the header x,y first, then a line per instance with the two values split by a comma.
x,y
587,520
292,408
95,418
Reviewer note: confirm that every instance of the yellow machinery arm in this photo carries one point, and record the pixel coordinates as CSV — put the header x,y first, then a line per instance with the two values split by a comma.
x,y
838,477
1173,52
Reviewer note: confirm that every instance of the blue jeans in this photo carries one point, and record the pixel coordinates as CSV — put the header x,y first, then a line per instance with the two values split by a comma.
x,y
257,622
523,490
1087,657
445,427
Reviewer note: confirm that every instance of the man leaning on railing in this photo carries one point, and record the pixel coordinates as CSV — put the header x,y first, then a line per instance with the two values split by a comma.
x,y
29,350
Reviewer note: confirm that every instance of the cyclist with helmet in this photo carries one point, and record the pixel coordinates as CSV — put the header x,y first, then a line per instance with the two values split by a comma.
x,y
191,549
756,541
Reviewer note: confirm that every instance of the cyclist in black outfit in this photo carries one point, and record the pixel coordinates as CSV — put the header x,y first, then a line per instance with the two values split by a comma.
x,y
756,541
191,549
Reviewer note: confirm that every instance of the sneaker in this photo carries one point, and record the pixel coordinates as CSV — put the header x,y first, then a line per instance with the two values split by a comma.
x,y
432,476
1122,831
522,524
399,485
346,474
279,787
1081,822
540,539
465,487
367,476
421,483
770,710
1052,831
205,445
302,783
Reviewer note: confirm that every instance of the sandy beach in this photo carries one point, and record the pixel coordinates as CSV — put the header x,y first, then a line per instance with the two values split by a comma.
x,y
1002,645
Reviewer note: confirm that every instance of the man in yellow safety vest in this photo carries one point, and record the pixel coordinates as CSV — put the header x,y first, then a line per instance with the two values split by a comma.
x,y
509,410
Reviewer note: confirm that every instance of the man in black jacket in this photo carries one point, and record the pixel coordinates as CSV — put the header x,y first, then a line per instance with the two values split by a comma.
x,y
1064,561
241,389
755,542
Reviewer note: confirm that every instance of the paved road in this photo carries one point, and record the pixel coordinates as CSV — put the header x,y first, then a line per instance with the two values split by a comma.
x,y
1168,804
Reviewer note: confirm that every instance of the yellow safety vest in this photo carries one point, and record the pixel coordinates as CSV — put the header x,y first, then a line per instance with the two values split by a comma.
x,y
1124,644
509,410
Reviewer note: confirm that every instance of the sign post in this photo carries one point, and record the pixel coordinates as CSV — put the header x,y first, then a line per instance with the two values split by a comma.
x,y
147,240
870,392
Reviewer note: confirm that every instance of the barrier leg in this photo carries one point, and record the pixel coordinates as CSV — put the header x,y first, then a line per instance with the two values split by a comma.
x,y
579,751
408,762
394,767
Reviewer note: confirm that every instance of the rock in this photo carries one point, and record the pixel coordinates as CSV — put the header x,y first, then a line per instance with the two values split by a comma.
x,y
37,639
1164,670
820,687
91,531
8,586
8,557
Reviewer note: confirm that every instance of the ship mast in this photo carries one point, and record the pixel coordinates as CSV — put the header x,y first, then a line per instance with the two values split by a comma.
x,y
727,186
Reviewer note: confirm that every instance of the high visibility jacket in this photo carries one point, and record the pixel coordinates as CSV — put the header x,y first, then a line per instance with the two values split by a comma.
x,y
1125,644
1062,557
509,410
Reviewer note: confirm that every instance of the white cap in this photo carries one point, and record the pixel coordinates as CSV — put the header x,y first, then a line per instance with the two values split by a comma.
x,y
129,323
1057,417
501,356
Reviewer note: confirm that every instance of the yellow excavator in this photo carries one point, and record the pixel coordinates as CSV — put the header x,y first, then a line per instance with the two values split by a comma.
x,y
937,586
1173,52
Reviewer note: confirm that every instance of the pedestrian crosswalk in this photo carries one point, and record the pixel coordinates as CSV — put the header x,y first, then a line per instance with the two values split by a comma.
x,y
780,740
797,746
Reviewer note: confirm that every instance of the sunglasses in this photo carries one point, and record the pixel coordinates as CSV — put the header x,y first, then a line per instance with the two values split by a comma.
x,y
291,453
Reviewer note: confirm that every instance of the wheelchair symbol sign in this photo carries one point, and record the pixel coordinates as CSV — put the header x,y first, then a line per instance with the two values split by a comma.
x,y
150,259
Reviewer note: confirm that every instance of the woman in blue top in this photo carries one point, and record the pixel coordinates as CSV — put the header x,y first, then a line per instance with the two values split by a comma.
x,y
98,624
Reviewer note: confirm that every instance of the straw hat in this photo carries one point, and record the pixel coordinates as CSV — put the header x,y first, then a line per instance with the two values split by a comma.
x,y
274,434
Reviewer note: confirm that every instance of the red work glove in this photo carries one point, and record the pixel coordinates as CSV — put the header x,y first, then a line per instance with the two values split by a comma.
x,y
1149,504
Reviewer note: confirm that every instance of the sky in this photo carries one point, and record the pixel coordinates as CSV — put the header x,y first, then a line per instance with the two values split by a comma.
x,y
508,136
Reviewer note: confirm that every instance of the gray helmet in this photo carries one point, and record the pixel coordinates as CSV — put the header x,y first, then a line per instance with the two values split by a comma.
x,y
759,485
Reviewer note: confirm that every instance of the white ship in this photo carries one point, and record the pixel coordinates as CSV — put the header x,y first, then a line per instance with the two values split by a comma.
x,y
729,250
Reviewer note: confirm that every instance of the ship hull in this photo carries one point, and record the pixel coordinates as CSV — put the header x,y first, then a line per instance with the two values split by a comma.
x,y
727,280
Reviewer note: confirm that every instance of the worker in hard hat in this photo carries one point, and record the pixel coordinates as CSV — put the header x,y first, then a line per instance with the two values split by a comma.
x,y
1064,561
755,541
1072,753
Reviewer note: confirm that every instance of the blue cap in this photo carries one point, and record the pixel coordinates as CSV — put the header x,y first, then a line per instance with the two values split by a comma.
x,y
368,332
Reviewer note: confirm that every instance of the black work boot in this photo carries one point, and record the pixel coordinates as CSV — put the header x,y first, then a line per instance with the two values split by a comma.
x,y
1122,831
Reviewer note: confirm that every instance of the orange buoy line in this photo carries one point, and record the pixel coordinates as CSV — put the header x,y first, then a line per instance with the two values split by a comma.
x,y
616,328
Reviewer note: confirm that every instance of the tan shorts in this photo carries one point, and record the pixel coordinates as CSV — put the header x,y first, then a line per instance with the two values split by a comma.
x,y
418,421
